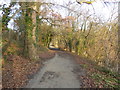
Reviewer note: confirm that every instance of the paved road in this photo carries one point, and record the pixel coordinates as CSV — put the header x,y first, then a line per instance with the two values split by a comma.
x,y
58,72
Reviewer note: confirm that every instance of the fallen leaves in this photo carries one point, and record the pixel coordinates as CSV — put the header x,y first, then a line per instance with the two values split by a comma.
x,y
15,73
18,70
96,77
47,55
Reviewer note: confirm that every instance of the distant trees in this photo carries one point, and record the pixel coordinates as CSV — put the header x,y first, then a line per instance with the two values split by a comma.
x,y
90,38
80,32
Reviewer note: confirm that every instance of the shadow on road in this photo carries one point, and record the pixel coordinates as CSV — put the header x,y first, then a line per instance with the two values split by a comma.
x,y
58,49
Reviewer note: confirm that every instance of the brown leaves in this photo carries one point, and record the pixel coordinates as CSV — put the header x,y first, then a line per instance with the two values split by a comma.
x,y
18,70
57,16
47,55
15,73
94,76
71,18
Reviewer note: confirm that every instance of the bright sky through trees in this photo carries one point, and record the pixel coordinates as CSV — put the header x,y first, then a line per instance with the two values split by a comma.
x,y
99,8
102,10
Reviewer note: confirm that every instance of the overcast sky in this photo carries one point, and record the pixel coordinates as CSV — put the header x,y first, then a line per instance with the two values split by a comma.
x,y
100,9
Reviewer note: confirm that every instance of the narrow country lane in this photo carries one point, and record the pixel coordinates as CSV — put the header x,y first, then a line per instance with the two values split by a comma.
x,y
58,72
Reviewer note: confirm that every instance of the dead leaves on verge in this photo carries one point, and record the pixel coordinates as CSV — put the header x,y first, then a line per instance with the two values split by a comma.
x,y
18,70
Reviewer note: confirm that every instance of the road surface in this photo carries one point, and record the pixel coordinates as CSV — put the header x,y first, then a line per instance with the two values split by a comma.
x,y
58,72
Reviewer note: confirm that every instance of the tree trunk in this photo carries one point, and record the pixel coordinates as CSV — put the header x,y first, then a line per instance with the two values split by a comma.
x,y
32,40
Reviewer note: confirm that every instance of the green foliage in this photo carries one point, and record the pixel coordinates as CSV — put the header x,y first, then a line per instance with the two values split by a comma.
x,y
10,48
108,81
94,40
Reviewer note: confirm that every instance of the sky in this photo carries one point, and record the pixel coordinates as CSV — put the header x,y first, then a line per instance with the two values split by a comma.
x,y
100,9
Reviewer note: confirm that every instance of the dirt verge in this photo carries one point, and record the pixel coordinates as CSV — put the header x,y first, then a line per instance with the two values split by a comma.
x,y
17,70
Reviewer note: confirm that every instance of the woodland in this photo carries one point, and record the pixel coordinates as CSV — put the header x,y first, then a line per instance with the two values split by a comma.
x,y
37,27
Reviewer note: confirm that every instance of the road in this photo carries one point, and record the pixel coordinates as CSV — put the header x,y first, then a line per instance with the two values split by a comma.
x,y
59,72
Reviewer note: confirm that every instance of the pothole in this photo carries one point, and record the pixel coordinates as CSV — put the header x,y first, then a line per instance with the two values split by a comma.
x,y
49,75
